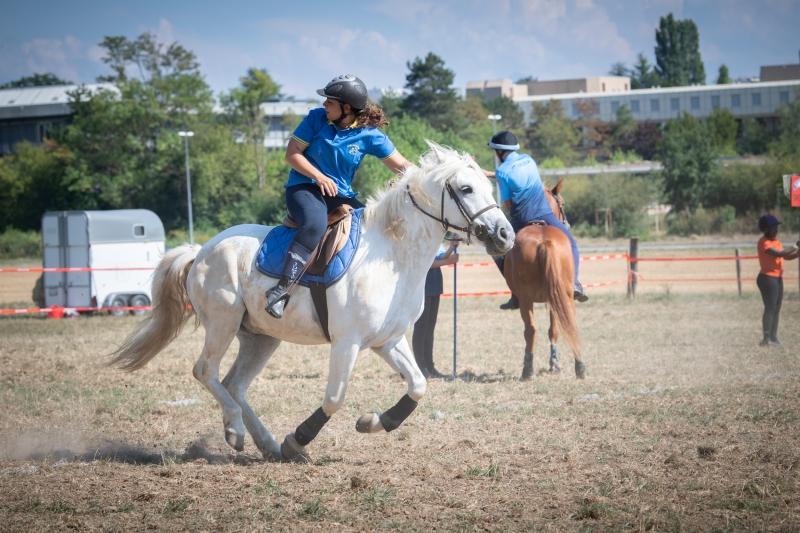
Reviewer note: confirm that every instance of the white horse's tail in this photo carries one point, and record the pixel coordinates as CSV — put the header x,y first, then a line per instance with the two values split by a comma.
x,y
171,309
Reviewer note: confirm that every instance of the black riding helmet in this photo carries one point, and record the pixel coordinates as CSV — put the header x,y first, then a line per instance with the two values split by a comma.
x,y
347,89
505,140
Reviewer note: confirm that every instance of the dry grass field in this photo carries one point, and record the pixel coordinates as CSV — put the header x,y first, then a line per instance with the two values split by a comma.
x,y
683,423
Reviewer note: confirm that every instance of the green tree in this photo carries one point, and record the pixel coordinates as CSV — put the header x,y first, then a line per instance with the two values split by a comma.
x,y
32,182
787,144
619,69
471,110
722,127
677,51
392,105
687,155
243,110
35,80
431,95
513,117
643,76
552,134
723,77
124,144
753,137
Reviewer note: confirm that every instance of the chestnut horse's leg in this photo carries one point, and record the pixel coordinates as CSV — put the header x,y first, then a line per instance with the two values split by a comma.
x,y
552,333
526,311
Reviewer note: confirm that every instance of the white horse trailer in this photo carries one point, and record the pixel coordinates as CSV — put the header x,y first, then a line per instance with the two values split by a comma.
x,y
117,239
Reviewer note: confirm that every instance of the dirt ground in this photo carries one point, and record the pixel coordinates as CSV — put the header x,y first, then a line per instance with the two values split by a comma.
x,y
683,423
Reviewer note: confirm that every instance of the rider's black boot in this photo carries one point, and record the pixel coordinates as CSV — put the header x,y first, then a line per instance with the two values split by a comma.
x,y
296,263
512,303
578,293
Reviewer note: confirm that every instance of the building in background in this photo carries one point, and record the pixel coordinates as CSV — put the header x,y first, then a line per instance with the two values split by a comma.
x,y
757,100
603,96
491,89
29,113
282,118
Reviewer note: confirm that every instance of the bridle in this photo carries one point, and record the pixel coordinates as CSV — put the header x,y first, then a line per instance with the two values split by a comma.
x,y
562,216
446,224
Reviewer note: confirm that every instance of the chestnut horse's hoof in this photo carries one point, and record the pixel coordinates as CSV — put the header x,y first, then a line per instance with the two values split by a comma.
x,y
580,370
527,367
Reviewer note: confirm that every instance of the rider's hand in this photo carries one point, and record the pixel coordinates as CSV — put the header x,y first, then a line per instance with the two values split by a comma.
x,y
327,186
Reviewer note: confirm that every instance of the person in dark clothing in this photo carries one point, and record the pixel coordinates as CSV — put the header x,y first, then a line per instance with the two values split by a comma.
x,y
422,338
771,256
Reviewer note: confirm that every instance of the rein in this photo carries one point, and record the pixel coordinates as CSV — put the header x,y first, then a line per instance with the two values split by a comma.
x,y
446,224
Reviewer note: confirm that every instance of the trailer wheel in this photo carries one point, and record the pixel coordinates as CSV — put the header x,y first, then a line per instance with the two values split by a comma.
x,y
118,301
138,300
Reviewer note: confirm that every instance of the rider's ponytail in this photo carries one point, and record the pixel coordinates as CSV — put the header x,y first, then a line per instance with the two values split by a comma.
x,y
371,116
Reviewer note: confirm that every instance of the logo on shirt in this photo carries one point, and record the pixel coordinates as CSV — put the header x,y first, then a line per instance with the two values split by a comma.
x,y
353,149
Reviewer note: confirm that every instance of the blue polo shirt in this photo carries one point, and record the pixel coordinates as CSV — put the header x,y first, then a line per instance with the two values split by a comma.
x,y
519,181
335,152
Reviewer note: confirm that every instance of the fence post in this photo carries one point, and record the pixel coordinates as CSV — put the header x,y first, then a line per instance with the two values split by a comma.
x,y
455,320
633,266
738,272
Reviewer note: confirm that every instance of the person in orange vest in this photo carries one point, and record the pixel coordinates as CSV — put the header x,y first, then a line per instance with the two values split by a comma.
x,y
771,256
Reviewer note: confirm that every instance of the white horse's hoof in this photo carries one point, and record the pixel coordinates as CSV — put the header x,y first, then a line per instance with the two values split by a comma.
x,y
234,439
369,423
272,453
292,451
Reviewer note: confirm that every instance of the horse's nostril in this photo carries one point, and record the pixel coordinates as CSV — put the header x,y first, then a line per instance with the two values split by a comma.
x,y
503,233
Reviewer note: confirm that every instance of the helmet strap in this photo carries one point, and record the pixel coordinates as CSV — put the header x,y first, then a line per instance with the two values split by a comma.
x,y
347,118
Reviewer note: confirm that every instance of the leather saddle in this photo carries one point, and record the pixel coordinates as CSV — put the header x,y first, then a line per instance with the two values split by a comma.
x,y
333,240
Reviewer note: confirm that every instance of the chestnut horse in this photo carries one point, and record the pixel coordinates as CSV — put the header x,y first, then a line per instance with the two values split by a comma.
x,y
540,269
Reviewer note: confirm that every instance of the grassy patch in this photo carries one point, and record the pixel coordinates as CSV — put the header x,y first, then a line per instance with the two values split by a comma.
x,y
313,509
176,506
376,497
492,471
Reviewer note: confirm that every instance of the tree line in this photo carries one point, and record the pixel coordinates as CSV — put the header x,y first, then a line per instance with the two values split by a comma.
x,y
121,148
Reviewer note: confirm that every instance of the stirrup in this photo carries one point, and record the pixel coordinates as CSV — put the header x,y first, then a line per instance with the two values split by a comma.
x,y
277,298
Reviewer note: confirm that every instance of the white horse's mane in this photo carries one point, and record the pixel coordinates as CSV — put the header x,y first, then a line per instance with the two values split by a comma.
x,y
387,208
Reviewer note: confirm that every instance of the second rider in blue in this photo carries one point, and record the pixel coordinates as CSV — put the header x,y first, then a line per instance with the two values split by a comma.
x,y
523,196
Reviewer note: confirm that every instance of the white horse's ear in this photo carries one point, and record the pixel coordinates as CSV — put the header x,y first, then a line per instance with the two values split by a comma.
x,y
437,151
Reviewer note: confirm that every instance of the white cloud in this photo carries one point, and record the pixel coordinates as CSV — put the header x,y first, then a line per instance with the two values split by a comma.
x,y
59,56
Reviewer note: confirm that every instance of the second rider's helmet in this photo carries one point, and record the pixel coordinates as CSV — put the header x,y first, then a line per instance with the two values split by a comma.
x,y
348,89
505,140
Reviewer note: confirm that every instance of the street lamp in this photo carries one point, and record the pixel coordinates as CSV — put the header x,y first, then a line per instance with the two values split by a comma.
x,y
186,135
494,119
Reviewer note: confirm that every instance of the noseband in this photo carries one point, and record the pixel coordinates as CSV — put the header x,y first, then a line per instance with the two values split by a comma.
x,y
446,224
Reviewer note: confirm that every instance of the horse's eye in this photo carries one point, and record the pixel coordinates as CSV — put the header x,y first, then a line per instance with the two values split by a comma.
x,y
466,189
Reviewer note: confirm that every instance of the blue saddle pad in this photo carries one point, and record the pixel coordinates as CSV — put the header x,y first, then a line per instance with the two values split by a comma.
x,y
272,253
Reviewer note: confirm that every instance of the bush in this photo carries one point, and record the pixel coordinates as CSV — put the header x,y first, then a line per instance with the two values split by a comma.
x,y
15,243
703,221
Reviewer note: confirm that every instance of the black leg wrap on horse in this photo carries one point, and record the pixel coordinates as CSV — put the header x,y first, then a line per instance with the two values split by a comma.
x,y
308,430
395,416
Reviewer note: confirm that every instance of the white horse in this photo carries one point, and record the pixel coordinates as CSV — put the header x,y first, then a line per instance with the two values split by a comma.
x,y
371,306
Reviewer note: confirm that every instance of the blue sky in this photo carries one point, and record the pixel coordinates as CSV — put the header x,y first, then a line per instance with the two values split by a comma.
x,y
305,43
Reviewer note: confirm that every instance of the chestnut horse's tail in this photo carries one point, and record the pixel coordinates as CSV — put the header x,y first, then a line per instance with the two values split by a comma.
x,y
559,293
170,311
